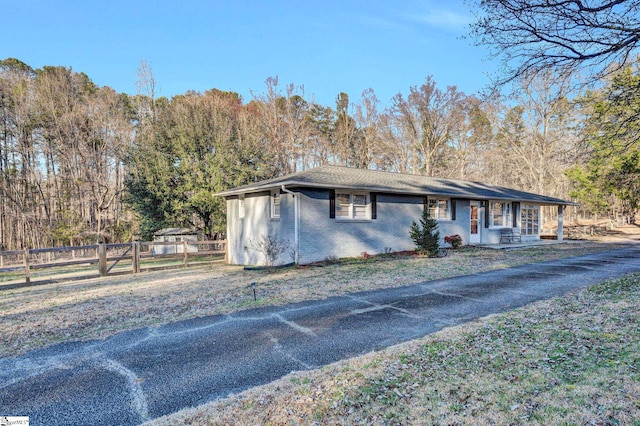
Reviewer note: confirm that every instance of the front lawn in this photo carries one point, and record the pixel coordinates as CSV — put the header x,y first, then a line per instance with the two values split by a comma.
x,y
41,315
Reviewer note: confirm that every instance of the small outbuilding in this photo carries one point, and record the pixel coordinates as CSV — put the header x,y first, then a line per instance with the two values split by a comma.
x,y
174,235
334,211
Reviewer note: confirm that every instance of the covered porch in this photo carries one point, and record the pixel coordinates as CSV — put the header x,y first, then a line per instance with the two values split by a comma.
x,y
557,239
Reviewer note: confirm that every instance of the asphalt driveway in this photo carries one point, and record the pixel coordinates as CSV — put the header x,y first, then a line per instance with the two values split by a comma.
x,y
146,373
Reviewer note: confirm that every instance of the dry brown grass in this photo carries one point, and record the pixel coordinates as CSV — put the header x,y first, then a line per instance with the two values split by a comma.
x,y
37,316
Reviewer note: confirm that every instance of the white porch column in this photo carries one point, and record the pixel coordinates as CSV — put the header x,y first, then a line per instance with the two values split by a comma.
x,y
560,223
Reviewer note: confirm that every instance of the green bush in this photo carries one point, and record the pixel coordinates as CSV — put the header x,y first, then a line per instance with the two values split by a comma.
x,y
426,235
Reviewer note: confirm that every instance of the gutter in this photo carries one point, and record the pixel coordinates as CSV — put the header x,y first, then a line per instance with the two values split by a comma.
x,y
296,223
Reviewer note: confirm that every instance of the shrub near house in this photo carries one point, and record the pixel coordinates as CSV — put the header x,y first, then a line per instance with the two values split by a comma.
x,y
455,240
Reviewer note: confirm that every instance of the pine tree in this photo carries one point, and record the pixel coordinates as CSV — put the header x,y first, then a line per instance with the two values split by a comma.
x,y
611,177
426,235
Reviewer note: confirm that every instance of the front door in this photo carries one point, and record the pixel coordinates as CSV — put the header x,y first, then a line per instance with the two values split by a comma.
x,y
474,234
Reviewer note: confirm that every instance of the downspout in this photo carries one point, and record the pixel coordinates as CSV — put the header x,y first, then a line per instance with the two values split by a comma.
x,y
296,224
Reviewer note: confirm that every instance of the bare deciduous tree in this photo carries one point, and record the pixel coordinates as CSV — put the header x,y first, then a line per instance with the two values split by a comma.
x,y
469,139
62,139
367,117
146,93
285,127
427,118
537,135
535,36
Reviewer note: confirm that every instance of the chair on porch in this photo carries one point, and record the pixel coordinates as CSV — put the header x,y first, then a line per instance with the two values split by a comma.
x,y
510,235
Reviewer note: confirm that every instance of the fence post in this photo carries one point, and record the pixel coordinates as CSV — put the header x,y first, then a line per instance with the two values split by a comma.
x,y
27,267
135,257
102,259
186,253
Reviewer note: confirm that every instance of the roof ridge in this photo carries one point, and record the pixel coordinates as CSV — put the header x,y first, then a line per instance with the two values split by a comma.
x,y
400,174
338,176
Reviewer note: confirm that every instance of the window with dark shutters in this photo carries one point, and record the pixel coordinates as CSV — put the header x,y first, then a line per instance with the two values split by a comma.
x,y
353,206
438,208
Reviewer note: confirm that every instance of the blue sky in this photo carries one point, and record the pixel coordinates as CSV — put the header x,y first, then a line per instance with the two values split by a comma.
x,y
327,47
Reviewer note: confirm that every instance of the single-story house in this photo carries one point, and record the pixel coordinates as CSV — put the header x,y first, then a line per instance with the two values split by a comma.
x,y
335,211
174,235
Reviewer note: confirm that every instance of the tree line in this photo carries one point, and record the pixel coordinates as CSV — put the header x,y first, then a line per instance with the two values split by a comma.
x,y
81,163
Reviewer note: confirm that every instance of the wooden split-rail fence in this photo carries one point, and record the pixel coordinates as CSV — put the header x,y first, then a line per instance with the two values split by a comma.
x,y
125,257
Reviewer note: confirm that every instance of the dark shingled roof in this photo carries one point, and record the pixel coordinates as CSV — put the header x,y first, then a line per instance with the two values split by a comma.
x,y
339,177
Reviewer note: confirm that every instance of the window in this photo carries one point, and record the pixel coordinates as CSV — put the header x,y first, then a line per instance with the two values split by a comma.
x,y
438,208
275,204
501,214
354,206
241,207
343,205
530,219
359,202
